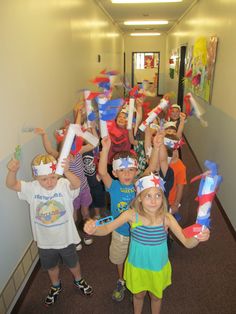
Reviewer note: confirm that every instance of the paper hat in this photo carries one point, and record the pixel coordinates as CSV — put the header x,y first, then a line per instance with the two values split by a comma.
x,y
151,181
170,143
44,169
154,126
124,163
175,106
170,124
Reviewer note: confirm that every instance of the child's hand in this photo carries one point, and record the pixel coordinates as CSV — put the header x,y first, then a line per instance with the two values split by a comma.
x,y
158,139
13,165
66,164
39,131
106,142
182,116
203,235
90,226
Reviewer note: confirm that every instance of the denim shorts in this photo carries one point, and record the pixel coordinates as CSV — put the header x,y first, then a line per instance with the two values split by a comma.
x,y
50,258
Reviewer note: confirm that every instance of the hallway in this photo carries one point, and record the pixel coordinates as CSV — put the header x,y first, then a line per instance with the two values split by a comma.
x,y
203,280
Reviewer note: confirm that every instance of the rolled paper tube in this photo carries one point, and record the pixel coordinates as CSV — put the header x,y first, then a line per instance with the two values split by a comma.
x,y
89,137
103,123
65,149
88,106
162,105
130,113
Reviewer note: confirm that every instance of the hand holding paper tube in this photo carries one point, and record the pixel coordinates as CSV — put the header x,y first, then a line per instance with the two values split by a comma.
x,y
130,113
88,105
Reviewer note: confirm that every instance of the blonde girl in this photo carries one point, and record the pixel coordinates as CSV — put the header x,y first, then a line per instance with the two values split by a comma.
x,y
147,267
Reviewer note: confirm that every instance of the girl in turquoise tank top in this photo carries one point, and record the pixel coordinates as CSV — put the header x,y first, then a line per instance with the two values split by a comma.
x,y
147,267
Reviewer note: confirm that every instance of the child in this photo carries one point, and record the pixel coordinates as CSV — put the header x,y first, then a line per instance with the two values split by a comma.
x,y
147,267
51,211
84,199
179,118
179,170
121,192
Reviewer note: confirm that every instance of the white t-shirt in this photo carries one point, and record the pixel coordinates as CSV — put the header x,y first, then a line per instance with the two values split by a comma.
x,y
51,213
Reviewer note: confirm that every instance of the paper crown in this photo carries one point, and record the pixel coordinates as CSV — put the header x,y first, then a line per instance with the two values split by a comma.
x,y
175,106
174,144
44,169
151,181
170,124
154,126
124,163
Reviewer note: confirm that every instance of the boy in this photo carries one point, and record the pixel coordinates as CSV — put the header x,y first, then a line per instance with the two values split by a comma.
x,y
51,212
122,192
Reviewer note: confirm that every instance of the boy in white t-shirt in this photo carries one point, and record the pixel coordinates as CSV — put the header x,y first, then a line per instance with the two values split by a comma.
x,y
51,212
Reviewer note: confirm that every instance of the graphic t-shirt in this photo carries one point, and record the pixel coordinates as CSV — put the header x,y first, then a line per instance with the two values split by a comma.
x,y
121,195
51,213
90,168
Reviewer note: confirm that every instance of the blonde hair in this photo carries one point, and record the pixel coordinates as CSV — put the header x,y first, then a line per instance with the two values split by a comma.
x,y
45,159
136,204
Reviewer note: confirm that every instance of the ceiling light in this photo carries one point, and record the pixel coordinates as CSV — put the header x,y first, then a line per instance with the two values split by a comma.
x,y
145,22
145,34
144,1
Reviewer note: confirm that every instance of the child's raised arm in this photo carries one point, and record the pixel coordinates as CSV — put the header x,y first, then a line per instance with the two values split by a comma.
x,y
178,232
11,180
74,180
181,125
91,228
102,165
46,142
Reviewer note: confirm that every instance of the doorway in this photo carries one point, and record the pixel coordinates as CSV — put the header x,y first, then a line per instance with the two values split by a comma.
x,y
181,76
145,68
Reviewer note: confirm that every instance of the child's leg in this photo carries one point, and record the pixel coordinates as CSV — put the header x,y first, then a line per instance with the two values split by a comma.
x,y
76,271
138,299
54,275
155,304
120,269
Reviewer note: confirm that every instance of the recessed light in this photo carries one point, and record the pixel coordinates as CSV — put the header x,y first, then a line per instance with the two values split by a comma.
x,y
144,1
145,22
145,34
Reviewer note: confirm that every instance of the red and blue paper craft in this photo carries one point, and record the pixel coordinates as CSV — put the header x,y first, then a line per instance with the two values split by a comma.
x,y
209,184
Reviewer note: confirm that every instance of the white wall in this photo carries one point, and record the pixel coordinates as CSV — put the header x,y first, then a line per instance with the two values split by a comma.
x,y
48,52
217,142
146,44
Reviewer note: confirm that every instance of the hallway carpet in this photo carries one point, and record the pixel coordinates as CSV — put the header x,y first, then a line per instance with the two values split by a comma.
x,y
203,281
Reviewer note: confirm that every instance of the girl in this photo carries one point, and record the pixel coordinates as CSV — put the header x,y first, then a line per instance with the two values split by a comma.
x,y
147,268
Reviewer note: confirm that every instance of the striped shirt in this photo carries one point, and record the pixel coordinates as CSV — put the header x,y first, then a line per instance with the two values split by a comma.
x,y
77,167
149,235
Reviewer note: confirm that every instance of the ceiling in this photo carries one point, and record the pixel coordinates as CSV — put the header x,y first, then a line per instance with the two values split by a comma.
x,y
158,11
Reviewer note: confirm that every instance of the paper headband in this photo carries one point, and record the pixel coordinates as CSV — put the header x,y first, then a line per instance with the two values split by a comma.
x,y
175,106
173,143
44,169
124,163
170,124
147,182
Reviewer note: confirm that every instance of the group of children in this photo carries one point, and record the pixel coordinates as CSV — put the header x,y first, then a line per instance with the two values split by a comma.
x,y
144,177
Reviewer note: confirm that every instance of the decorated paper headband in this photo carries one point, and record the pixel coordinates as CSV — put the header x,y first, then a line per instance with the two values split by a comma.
x,y
147,182
124,163
173,143
154,126
175,106
44,169
170,124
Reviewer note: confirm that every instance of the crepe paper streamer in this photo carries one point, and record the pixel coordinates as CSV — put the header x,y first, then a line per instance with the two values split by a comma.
x,y
76,145
209,184
27,129
103,124
198,111
99,80
92,95
164,103
17,154
89,137
187,105
130,113
88,105
110,109
117,135
70,135
92,116
104,221
179,144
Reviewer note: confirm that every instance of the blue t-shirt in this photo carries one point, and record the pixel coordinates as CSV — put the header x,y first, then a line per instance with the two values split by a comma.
x,y
121,195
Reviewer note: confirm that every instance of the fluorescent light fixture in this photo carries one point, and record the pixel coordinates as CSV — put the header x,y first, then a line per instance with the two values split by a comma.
x,y
145,22
144,1
145,34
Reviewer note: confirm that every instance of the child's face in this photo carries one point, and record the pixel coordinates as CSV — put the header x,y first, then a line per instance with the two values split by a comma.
x,y
151,200
48,182
126,176
170,131
121,120
174,114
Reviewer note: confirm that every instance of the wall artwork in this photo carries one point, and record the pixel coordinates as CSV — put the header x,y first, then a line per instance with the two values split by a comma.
x,y
200,64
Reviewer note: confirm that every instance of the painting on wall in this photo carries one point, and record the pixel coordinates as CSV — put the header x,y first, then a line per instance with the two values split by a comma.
x,y
148,62
200,64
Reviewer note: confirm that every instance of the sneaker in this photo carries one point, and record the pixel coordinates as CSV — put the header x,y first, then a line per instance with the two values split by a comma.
x,y
88,240
78,247
84,287
52,295
119,293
